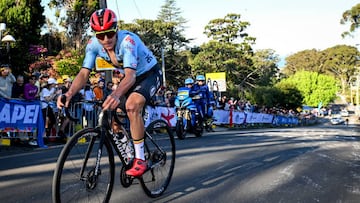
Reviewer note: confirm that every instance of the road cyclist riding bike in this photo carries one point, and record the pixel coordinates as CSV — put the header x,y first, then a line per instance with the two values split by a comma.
x,y
142,76
126,52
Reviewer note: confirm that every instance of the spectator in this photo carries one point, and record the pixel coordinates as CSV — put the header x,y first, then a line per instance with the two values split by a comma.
x,y
47,95
18,88
222,102
89,107
169,99
30,89
6,81
159,99
99,91
231,103
108,89
41,82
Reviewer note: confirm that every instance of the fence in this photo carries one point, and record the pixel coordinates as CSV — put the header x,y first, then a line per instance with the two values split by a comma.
x,y
25,116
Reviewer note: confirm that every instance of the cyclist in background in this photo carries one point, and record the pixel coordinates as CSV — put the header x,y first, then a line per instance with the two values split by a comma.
x,y
142,76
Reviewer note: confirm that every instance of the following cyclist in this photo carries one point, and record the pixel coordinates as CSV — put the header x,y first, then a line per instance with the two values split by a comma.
x,y
142,76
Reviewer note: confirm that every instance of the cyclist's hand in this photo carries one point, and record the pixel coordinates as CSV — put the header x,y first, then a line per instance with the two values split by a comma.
x,y
111,102
62,101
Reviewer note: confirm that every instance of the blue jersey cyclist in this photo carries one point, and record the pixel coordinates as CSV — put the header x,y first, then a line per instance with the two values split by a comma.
x,y
142,76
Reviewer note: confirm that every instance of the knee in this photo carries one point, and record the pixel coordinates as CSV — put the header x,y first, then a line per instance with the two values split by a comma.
x,y
133,108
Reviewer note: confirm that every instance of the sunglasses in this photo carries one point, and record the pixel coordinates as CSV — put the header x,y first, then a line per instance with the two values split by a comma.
x,y
108,33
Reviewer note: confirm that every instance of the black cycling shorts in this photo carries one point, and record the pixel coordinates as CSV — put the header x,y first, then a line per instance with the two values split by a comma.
x,y
146,84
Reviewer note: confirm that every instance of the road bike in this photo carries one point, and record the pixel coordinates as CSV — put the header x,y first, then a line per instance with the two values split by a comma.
x,y
85,169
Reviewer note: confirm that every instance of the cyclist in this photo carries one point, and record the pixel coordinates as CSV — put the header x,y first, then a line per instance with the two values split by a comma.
x,y
142,76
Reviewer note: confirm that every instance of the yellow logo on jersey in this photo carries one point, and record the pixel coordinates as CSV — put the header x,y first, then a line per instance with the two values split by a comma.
x,y
101,64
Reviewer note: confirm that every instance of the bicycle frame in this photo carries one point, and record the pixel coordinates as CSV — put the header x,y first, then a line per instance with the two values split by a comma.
x,y
105,134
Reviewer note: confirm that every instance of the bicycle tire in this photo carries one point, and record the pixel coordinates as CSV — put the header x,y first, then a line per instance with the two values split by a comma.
x,y
160,152
179,129
67,184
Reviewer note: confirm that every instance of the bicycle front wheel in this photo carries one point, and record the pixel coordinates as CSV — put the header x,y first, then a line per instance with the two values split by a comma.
x,y
75,177
160,153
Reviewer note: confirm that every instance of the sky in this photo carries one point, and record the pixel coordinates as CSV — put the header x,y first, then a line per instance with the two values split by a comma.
x,y
286,26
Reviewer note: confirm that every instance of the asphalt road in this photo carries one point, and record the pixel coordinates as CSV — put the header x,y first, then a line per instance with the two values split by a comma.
x,y
308,164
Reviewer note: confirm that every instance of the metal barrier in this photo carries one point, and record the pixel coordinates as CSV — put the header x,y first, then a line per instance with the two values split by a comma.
x,y
86,113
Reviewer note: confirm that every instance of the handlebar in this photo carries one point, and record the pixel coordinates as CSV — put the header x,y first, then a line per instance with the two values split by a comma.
x,y
66,110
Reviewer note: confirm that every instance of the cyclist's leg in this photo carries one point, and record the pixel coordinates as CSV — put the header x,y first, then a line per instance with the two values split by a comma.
x,y
140,94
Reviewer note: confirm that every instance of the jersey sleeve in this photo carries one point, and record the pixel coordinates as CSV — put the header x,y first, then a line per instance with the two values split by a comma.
x,y
90,55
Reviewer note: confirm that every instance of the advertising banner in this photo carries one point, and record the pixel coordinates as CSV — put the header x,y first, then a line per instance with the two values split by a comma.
x,y
216,81
21,116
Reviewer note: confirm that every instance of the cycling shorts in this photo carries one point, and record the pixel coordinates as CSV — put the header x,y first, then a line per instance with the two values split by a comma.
x,y
146,84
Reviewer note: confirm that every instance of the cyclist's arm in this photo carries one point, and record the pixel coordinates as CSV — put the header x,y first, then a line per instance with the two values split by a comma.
x,y
126,83
78,83
112,101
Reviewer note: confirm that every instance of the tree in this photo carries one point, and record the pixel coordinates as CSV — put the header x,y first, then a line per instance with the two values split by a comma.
x,y
174,32
265,96
152,32
76,20
174,42
290,97
340,61
314,87
23,21
228,29
306,60
351,16
265,63
223,57
229,51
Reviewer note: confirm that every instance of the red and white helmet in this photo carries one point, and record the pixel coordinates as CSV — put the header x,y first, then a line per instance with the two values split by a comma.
x,y
102,20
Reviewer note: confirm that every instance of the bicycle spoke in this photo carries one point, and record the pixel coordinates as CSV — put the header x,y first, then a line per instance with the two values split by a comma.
x,y
75,179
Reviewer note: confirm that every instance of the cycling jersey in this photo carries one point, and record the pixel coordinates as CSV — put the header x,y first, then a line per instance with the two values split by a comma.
x,y
130,51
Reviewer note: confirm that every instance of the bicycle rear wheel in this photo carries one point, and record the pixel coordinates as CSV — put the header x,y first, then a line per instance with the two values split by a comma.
x,y
160,152
71,183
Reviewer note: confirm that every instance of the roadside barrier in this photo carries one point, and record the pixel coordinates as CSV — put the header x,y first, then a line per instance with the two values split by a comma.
x,y
19,118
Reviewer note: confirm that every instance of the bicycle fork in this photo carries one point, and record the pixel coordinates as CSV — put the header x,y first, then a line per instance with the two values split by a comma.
x,y
92,177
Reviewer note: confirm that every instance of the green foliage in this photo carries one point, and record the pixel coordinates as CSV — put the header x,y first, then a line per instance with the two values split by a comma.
x,y
284,95
290,97
265,63
340,62
306,60
68,62
314,87
351,16
265,96
76,20
227,29
165,36
23,21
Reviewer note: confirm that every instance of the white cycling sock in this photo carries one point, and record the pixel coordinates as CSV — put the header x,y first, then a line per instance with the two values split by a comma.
x,y
139,149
